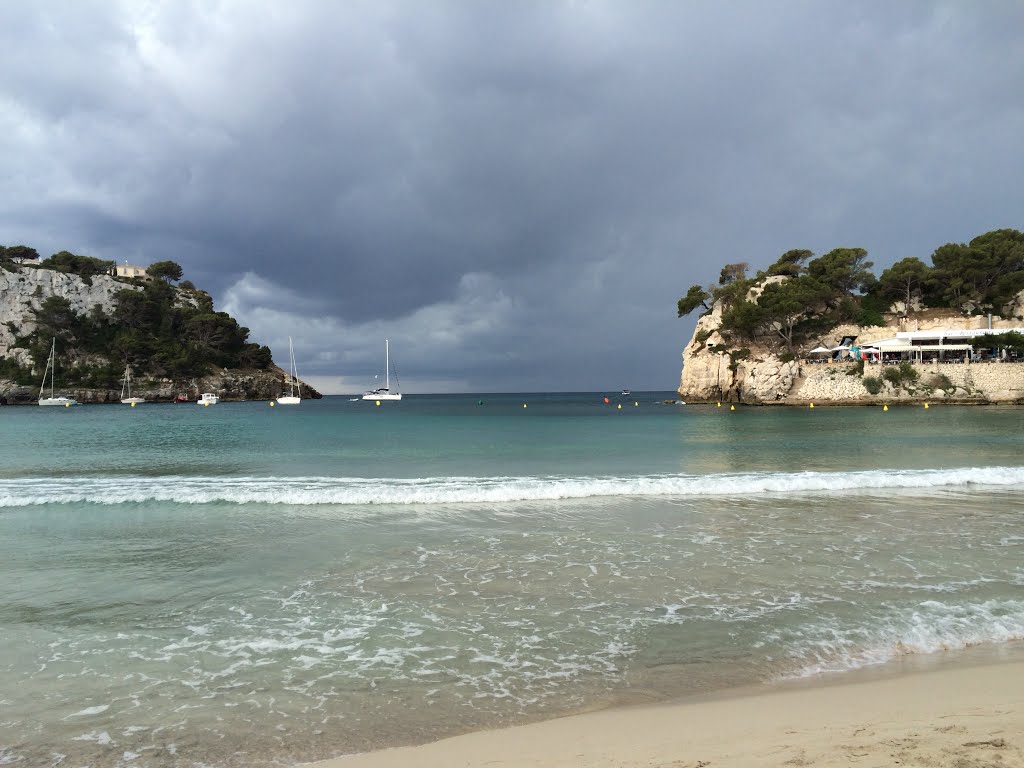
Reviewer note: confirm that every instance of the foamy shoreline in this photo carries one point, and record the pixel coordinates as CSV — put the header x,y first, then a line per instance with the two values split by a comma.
x,y
955,715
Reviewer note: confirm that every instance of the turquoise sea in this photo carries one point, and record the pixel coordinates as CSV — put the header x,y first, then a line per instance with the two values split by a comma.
x,y
241,585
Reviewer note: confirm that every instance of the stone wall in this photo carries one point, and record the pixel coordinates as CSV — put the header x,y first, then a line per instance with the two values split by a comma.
x,y
967,383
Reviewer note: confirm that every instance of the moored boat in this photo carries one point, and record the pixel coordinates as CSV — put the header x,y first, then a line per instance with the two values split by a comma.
x,y
51,368
385,393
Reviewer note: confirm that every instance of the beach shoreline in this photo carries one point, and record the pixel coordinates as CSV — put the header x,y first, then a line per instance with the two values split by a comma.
x,y
962,710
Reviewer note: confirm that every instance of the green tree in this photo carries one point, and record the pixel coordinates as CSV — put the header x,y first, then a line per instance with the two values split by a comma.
x,y
732,273
997,260
790,264
255,356
949,282
83,266
904,281
168,271
695,297
217,336
56,318
985,274
843,271
136,311
1011,340
12,252
743,319
788,306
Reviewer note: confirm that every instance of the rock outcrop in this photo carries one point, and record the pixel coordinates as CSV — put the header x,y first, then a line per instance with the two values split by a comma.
x,y
23,290
227,384
715,369
26,289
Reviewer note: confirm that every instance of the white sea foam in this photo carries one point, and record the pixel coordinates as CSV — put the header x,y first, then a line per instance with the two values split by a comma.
x,y
931,627
100,737
311,491
90,711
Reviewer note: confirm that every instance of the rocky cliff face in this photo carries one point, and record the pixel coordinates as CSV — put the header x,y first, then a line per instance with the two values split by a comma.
x,y
714,370
26,289
29,287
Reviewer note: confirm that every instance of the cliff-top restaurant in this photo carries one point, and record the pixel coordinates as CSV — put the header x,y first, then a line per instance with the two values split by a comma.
x,y
944,346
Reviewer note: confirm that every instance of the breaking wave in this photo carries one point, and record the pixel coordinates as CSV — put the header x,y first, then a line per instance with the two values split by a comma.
x,y
930,627
455,490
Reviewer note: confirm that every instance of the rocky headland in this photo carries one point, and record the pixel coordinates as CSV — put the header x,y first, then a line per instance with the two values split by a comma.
x,y
25,289
714,371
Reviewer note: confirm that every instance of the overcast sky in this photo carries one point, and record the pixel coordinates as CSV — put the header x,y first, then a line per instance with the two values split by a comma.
x,y
515,193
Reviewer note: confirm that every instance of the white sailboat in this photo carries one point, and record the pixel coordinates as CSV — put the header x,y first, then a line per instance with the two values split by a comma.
x,y
385,393
292,398
126,389
51,368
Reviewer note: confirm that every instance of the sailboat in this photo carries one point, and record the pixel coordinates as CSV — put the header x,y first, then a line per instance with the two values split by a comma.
x,y
126,389
51,368
385,393
293,380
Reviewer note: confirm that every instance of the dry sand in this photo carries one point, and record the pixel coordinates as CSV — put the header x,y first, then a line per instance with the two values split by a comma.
x,y
960,717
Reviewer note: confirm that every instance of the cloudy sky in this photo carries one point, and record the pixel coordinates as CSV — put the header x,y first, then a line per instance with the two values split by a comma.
x,y
515,193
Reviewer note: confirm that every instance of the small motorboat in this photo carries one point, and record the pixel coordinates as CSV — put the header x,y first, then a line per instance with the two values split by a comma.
x,y
208,398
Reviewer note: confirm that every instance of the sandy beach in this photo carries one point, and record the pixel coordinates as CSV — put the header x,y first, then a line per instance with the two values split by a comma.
x,y
957,716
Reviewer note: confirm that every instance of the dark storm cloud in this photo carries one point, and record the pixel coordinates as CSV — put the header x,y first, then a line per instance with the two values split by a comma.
x,y
514,193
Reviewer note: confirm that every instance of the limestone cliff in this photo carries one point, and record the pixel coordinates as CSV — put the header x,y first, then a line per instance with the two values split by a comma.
x,y
716,369
25,289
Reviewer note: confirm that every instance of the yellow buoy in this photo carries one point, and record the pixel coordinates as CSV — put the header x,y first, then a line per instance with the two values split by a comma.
x,y
376,402
885,407
271,403
732,407
206,405
133,405
524,405
619,406
811,405
67,405
635,404
926,405
718,405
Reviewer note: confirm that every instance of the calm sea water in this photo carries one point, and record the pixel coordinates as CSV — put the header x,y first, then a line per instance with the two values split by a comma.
x,y
246,585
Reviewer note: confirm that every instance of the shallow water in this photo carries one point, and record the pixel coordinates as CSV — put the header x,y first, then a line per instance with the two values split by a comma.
x,y
240,585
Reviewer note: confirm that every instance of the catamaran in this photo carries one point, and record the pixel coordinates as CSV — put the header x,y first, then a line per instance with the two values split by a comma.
x,y
385,393
293,380
126,389
51,368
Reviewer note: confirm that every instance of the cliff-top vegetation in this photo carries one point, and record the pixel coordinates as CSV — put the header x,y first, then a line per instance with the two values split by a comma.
x,y
801,296
161,327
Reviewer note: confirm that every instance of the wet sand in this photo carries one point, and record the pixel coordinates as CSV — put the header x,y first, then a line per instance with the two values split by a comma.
x,y
956,716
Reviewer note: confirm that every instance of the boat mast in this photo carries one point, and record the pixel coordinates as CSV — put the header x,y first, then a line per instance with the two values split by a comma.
x,y
387,365
53,364
291,372
46,369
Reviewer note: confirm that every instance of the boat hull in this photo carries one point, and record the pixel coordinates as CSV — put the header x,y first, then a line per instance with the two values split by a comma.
x,y
289,400
132,400
382,396
65,401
